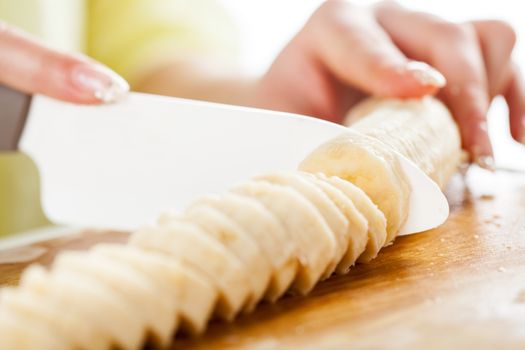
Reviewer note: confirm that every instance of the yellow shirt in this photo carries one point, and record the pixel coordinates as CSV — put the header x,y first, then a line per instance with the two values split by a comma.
x,y
127,35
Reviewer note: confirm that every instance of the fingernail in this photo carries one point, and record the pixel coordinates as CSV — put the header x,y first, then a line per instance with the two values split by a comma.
x,y
105,85
425,74
485,162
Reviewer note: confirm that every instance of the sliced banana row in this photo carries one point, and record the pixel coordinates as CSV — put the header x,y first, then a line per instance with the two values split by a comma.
x,y
370,165
276,233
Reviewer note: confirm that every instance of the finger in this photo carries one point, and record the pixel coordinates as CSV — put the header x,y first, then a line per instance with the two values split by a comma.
x,y
515,97
349,42
33,68
497,40
454,51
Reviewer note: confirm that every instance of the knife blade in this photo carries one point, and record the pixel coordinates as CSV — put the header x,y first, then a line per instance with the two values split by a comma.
x,y
119,165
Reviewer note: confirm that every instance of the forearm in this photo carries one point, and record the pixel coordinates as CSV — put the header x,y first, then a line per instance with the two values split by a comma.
x,y
198,79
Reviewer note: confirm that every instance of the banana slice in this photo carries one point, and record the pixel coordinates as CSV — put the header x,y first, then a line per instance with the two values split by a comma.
x,y
371,166
336,221
375,218
20,332
192,296
9,334
132,258
188,244
31,306
134,289
357,229
236,240
422,130
267,231
13,335
85,335
305,225
101,311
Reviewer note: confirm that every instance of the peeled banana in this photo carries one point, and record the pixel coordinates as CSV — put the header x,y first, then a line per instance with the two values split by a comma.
x,y
421,130
277,232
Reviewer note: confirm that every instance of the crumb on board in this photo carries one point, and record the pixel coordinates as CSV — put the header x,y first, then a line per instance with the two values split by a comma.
x,y
486,197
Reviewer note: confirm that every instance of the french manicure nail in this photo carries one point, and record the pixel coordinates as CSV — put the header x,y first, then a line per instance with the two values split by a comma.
x,y
105,85
485,162
425,74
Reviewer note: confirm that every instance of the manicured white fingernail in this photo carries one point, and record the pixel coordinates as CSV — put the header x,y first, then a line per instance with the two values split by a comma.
x,y
105,85
485,162
425,74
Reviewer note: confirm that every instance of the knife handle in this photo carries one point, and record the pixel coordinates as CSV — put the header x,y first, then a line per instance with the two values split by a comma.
x,y
14,107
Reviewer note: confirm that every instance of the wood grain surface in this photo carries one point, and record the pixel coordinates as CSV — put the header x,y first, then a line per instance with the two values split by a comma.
x,y
460,286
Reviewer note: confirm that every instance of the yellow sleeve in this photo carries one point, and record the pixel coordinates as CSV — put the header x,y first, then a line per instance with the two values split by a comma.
x,y
131,35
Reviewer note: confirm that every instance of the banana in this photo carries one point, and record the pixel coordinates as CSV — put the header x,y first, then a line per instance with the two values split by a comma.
x,y
235,239
187,243
12,334
316,246
130,288
37,283
264,227
422,130
193,299
22,332
357,228
162,321
377,235
36,309
332,216
88,300
371,166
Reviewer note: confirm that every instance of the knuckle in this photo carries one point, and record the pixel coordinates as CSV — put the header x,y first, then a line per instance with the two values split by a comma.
x,y
317,22
328,8
386,5
454,32
504,31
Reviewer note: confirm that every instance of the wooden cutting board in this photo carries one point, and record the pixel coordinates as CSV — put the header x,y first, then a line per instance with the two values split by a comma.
x,y
461,286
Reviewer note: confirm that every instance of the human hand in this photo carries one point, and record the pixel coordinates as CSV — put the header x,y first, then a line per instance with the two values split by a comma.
x,y
31,67
346,52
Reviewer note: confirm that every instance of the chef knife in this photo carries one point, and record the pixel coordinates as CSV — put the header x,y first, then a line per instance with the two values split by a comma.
x,y
120,165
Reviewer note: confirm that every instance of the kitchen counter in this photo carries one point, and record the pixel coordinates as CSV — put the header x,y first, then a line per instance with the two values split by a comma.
x,y
460,286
